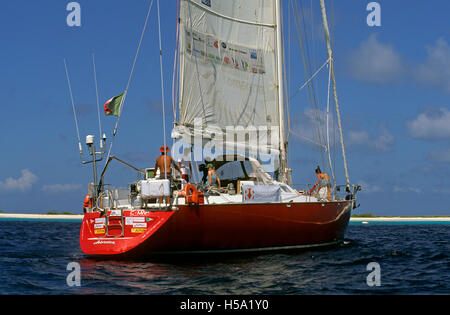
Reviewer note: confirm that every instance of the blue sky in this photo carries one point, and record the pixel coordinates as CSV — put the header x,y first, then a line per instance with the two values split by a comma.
x,y
393,85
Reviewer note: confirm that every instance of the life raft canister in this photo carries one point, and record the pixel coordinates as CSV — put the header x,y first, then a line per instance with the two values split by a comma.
x,y
192,195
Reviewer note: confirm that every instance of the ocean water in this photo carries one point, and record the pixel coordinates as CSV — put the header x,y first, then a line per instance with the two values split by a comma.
x,y
412,259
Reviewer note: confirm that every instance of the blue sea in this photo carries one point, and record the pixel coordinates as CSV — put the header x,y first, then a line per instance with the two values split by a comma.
x,y
410,259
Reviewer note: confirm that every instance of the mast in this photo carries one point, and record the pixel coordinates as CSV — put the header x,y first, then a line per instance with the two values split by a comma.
x,y
330,57
279,42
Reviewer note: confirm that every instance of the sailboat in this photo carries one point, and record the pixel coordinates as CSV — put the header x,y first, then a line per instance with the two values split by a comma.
x,y
231,120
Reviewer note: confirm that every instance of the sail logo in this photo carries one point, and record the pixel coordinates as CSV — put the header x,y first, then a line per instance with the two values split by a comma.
x,y
249,194
207,49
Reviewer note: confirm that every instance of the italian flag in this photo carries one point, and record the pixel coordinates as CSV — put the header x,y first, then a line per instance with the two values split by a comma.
x,y
112,106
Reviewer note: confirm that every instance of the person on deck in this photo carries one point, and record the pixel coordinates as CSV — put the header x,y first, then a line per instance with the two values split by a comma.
x,y
213,178
324,182
164,163
185,167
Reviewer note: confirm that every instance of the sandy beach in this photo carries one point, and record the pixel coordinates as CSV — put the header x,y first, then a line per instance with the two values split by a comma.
x,y
400,219
41,216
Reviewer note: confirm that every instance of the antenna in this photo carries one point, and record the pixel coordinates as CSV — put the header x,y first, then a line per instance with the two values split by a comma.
x,y
89,138
73,109
103,138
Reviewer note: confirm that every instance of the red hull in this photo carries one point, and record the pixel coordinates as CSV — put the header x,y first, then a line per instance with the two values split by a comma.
x,y
211,228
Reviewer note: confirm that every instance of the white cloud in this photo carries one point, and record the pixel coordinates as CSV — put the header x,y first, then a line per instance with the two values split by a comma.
x,y
369,188
434,124
376,62
444,191
407,189
306,126
436,68
57,188
22,183
383,142
440,156
358,137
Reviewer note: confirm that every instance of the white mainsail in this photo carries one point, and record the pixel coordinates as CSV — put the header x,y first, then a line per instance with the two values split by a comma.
x,y
229,79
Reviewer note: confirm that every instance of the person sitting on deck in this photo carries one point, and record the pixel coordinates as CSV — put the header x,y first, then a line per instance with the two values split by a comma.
x,y
324,182
213,179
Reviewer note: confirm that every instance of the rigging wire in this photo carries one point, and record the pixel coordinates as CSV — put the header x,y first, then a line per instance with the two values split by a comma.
x,y
162,87
332,27
288,80
73,108
309,140
330,54
129,80
175,66
316,110
309,80
333,116
303,40
328,130
320,131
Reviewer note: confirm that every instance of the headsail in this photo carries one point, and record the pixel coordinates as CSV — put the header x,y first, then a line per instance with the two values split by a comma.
x,y
229,73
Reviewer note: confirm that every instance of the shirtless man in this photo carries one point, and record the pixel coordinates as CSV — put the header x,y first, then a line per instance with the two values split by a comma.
x,y
164,163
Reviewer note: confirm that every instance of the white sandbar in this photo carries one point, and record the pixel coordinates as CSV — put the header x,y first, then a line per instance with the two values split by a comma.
x,y
40,216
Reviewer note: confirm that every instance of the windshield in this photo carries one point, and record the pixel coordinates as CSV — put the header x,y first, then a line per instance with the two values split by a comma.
x,y
235,170
242,170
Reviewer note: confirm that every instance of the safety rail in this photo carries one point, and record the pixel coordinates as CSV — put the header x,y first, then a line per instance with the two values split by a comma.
x,y
338,192
122,199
